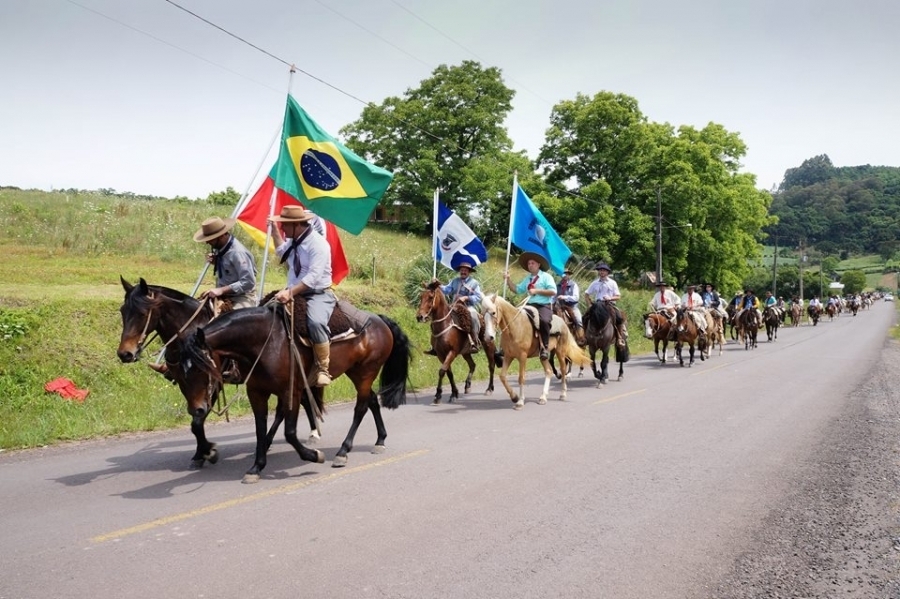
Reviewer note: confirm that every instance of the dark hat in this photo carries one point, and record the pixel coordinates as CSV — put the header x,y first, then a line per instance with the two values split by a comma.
x,y
690,286
567,271
294,214
213,227
526,256
603,266
662,284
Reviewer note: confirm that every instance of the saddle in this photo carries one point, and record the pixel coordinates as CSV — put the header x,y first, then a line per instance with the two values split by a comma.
x,y
346,322
556,324
462,318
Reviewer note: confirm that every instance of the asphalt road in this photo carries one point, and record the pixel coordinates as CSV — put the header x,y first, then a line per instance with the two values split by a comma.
x,y
669,484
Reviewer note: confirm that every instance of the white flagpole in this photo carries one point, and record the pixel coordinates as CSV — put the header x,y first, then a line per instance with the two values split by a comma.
x,y
512,217
272,201
434,233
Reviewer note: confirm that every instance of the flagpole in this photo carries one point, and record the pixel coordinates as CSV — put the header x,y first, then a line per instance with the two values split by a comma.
x,y
269,223
512,216
434,231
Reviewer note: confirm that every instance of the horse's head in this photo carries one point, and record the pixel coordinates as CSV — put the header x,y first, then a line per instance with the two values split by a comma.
x,y
201,380
431,296
653,322
138,319
597,315
489,309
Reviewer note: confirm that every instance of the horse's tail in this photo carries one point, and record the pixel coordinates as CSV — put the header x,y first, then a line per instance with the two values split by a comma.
x,y
574,353
196,354
395,371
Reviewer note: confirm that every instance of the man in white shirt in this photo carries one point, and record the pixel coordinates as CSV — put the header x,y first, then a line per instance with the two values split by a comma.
x,y
693,303
665,300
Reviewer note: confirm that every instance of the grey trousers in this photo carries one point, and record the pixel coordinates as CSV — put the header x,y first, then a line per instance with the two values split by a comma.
x,y
319,307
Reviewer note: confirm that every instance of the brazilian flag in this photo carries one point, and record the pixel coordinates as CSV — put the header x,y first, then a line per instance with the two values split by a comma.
x,y
325,176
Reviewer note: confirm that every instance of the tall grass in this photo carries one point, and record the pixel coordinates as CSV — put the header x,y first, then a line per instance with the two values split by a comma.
x,y
60,295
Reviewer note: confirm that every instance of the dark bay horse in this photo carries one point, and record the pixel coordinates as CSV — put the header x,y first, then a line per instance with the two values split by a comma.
x,y
832,310
772,319
449,339
600,334
658,328
567,314
260,341
173,315
686,332
748,322
814,312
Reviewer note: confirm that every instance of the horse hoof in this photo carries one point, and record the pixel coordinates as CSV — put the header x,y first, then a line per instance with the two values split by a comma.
x,y
514,399
314,438
196,464
518,406
379,449
250,479
620,379
320,457
436,402
213,456
562,397
339,461
542,401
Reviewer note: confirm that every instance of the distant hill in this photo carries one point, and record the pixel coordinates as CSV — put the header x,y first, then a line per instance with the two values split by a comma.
x,y
842,211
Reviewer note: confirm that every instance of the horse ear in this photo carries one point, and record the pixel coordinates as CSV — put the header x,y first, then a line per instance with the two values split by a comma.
x,y
144,287
125,284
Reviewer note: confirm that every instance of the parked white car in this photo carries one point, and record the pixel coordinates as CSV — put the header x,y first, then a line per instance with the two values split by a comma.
x,y
888,297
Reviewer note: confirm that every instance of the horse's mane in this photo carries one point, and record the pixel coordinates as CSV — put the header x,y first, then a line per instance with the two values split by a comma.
x,y
598,314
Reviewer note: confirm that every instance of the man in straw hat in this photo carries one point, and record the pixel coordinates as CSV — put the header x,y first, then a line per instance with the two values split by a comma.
x,y
605,289
308,257
541,288
465,289
233,264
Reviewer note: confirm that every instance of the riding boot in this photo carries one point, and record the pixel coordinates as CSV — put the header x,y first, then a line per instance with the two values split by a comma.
x,y
430,352
579,335
621,335
163,369
323,352
231,373
473,344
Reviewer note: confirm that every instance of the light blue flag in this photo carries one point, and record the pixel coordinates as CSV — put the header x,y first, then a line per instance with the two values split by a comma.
x,y
532,233
454,241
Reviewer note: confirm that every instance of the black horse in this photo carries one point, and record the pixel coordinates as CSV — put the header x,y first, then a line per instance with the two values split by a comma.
x,y
772,318
600,334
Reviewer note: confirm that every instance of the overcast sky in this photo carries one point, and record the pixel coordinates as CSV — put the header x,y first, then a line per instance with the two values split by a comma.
x,y
138,95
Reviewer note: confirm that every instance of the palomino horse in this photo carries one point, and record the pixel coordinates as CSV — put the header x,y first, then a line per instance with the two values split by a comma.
x,y
449,339
600,333
658,327
814,313
686,331
748,323
172,316
519,341
715,331
259,339
772,319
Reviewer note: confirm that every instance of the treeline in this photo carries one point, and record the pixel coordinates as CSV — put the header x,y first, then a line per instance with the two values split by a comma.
x,y
229,197
841,211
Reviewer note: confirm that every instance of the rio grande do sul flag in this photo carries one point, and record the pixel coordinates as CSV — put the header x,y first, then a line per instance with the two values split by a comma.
x,y
254,220
325,176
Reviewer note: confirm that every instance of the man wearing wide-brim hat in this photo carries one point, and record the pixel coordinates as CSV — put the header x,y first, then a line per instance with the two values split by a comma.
x,y
567,296
605,289
693,303
541,288
233,264
308,257
665,300
466,290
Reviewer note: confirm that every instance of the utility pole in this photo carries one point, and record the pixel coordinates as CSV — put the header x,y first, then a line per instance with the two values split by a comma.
x,y
658,235
802,258
775,267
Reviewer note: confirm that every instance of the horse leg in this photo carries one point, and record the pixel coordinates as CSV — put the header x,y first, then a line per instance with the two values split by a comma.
x,y
206,451
259,402
363,402
490,351
471,363
290,434
565,375
678,345
279,418
505,382
604,366
593,352
691,349
521,403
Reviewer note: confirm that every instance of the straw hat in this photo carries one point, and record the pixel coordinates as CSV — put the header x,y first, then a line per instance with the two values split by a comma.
x,y
465,262
294,214
526,256
213,227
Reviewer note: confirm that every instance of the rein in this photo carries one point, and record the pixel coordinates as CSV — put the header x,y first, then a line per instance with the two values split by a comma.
x,y
143,340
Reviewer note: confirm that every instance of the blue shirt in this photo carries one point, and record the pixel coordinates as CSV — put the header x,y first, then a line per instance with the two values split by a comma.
x,y
468,287
542,280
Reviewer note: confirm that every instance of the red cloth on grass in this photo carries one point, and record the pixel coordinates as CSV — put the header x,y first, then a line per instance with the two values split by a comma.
x,y
67,389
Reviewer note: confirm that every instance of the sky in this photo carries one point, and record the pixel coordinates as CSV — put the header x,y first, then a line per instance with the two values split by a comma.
x,y
140,96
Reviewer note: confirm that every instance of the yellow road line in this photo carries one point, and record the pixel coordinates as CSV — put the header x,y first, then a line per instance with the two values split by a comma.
x,y
615,397
710,369
118,534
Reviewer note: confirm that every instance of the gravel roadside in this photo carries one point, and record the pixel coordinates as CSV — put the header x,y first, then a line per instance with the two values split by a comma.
x,y
838,534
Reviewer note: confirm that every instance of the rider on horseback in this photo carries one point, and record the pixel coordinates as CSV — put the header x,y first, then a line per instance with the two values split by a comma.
x,y
567,295
693,303
465,290
665,301
606,289
540,287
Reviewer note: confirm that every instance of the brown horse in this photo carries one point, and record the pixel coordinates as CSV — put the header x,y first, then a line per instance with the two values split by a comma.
x,y
715,331
600,333
449,339
814,312
173,315
260,341
748,323
658,328
519,341
772,319
686,332
567,314
831,310
796,314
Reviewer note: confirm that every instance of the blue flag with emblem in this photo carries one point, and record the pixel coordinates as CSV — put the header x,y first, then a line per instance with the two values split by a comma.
x,y
454,241
531,232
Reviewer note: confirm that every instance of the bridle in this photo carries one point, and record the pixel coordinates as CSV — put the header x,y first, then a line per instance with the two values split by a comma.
x,y
143,340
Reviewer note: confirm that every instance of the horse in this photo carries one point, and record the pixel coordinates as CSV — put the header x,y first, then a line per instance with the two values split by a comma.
x,y
772,320
796,314
260,340
657,327
600,333
749,322
686,331
567,314
814,312
854,305
715,331
173,315
831,310
449,339
519,341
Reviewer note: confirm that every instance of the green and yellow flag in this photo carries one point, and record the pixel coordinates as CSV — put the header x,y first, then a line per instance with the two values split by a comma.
x,y
325,176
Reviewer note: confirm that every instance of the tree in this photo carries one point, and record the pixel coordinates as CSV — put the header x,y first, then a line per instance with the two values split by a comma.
x,y
229,197
447,133
854,281
817,169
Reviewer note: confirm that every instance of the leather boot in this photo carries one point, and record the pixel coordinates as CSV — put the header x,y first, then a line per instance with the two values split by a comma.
x,y
323,352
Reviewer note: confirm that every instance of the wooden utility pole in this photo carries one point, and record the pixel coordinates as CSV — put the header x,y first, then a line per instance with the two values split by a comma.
x,y
802,258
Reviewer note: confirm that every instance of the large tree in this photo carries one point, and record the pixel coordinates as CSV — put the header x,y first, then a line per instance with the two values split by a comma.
x,y
448,133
